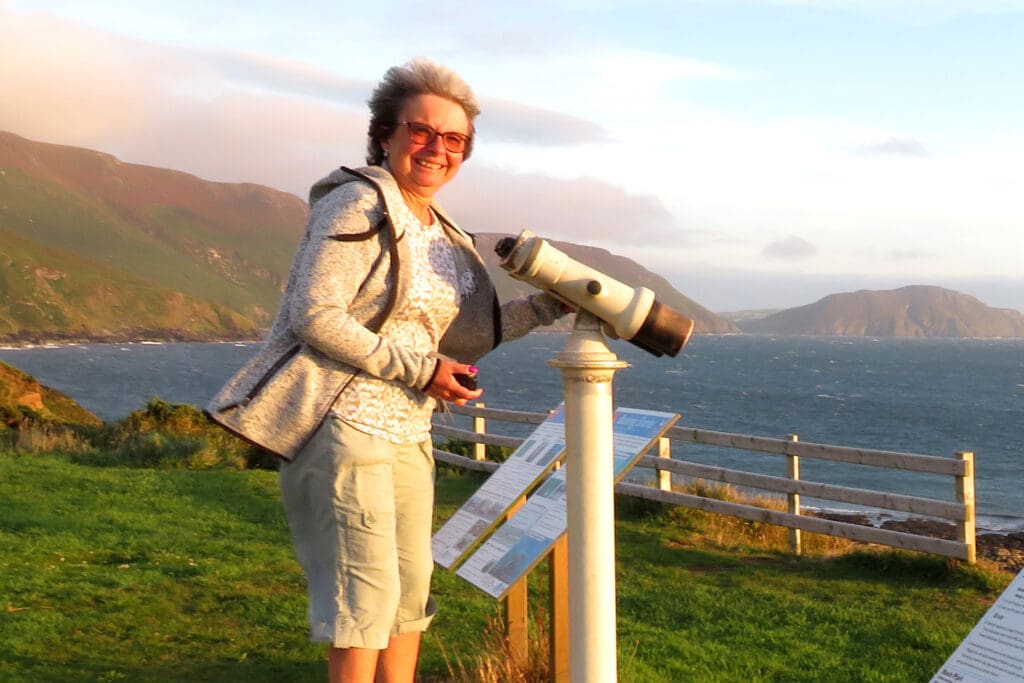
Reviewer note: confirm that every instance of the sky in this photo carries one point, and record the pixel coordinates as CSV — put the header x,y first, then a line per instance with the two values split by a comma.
x,y
759,154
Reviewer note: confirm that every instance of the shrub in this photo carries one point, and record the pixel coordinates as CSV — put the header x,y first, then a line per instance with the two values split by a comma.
x,y
174,436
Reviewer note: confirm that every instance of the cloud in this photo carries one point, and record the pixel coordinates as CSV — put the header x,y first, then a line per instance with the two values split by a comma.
x,y
286,76
507,121
579,210
894,147
908,254
222,115
790,248
243,117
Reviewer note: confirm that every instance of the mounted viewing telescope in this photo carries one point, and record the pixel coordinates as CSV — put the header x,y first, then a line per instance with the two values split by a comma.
x,y
626,312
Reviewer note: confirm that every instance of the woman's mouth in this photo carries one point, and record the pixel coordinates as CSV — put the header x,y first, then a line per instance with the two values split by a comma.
x,y
429,165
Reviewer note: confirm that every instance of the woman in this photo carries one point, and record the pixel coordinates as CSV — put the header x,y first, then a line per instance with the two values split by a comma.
x,y
385,291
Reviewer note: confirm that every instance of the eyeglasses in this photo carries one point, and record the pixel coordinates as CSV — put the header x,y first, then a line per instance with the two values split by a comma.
x,y
422,134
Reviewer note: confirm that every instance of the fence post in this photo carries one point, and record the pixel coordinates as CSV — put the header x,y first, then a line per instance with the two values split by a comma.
x,y
479,427
558,594
664,476
516,610
794,499
965,530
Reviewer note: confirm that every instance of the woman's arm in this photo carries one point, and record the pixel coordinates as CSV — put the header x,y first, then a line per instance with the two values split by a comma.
x,y
331,275
520,316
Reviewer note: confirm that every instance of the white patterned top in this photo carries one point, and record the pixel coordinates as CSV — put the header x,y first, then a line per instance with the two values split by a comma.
x,y
391,409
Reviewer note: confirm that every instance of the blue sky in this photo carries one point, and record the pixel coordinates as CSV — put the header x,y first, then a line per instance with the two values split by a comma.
x,y
759,154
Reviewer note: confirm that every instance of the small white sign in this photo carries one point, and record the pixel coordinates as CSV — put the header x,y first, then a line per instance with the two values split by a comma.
x,y
993,652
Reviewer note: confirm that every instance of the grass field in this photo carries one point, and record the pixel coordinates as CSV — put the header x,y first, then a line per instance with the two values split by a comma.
x,y
131,574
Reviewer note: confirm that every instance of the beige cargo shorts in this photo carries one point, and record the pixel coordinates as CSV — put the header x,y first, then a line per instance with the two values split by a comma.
x,y
359,509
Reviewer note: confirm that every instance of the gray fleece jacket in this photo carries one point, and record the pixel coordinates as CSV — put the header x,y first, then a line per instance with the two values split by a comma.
x,y
350,271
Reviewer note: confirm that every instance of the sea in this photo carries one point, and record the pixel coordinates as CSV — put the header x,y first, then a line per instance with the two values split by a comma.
x,y
926,396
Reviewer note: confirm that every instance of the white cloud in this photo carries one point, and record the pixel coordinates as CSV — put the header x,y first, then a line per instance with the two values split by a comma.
x,y
790,248
219,114
584,210
905,147
507,121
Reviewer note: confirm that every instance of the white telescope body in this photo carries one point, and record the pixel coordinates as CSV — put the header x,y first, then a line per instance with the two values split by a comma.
x,y
626,312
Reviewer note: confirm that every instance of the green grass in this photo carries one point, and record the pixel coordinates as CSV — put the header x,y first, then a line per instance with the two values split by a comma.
x,y
119,573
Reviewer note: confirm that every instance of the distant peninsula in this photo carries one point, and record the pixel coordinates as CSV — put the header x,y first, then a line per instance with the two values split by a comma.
x,y
913,311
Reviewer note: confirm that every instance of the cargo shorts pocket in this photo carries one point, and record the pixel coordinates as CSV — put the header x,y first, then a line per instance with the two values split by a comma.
x,y
364,490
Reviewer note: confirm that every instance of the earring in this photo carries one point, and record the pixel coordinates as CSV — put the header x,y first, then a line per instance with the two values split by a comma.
x,y
385,154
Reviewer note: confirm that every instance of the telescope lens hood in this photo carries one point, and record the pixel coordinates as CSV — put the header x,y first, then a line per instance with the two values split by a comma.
x,y
664,331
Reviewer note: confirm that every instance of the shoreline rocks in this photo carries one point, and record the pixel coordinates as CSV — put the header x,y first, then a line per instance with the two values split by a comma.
x,y
1006,550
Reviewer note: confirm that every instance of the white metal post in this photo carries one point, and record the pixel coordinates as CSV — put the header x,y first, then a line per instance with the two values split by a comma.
x,y
588,367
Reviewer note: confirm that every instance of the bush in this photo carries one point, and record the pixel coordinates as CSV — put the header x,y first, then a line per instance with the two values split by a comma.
x,y
174,436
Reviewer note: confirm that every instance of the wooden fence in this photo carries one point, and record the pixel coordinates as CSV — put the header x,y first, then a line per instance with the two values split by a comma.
x,y
959,468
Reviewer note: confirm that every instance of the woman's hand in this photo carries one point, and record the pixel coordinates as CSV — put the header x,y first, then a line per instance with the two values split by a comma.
x,y
446,387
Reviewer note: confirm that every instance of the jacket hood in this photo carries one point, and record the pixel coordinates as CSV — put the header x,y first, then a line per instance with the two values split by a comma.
x,y
330,182
386,182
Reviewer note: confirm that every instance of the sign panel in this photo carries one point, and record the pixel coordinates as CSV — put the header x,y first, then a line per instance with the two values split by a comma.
x,y
993,651
522,541
527,465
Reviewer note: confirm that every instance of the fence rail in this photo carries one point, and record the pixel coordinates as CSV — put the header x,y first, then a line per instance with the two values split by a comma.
x,y
960,469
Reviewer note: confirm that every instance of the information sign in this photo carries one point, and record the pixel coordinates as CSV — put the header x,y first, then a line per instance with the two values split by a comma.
x,y
993,651
527,465
521,542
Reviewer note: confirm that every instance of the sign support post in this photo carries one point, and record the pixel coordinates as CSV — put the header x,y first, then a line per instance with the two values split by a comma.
x,y
588,367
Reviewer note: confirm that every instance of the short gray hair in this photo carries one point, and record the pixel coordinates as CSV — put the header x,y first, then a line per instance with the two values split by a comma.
x,y
419,76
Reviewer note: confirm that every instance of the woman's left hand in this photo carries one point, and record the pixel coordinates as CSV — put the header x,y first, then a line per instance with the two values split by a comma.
x,y
446,387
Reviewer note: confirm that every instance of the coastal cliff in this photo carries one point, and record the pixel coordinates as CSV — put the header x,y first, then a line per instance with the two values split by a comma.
x,y
22,396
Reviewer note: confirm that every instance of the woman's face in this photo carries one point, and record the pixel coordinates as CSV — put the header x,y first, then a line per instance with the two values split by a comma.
x,y
423,169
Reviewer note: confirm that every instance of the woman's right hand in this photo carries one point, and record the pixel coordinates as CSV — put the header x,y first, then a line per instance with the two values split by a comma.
x,y
446,387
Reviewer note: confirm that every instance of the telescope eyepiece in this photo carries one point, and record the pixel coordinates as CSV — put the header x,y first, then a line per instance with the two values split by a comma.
x,y
505,246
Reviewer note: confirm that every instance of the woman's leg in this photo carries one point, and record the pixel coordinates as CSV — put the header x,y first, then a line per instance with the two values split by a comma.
x,y
351,665
414,507
397,664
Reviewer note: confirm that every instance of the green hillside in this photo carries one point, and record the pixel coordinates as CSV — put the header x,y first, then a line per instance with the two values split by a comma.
x,y
51,294
94,248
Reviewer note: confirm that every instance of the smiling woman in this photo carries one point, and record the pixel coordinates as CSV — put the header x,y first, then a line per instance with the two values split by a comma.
x,y
385,291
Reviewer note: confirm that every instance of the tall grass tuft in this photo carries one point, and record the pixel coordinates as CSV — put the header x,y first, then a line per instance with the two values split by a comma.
x,y
173,436
722,531
496,662
33,434
161,436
